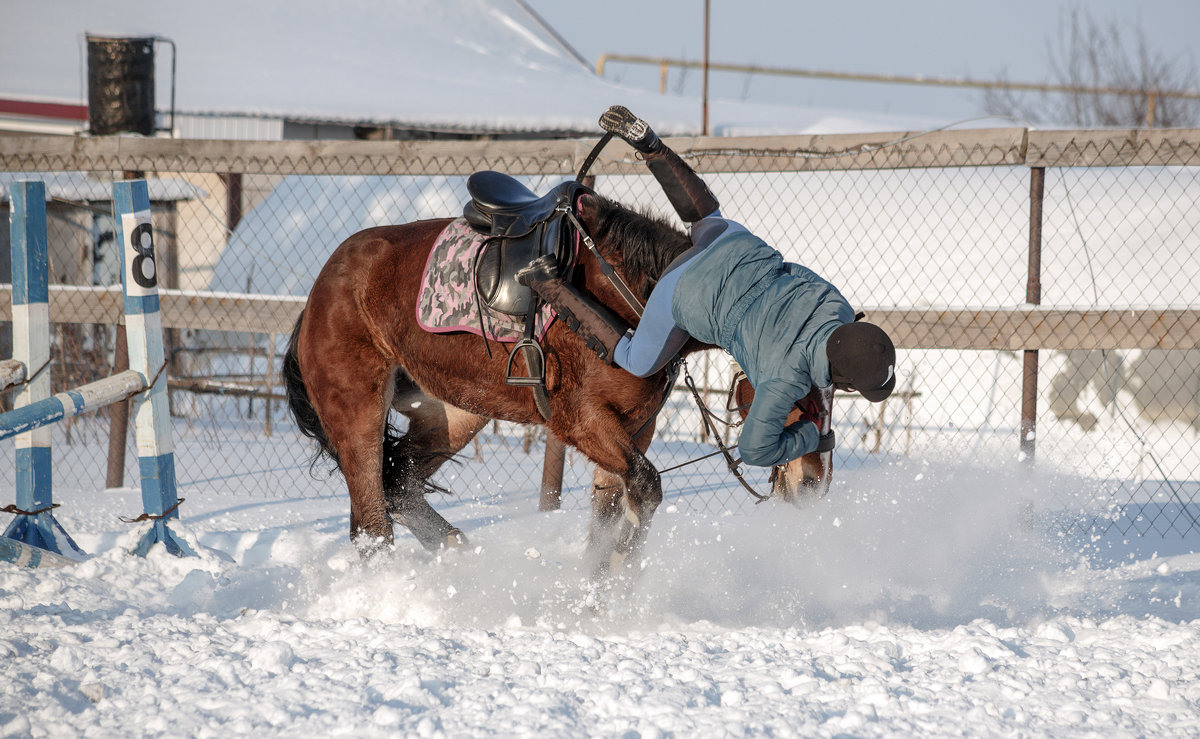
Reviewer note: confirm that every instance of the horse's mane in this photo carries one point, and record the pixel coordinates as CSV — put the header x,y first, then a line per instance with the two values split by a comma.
x,y
648,243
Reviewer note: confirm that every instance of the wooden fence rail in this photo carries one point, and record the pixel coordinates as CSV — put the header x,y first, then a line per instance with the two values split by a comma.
x,y
983,328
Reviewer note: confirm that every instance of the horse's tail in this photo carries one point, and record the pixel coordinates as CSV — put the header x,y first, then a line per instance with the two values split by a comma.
x,y
302,408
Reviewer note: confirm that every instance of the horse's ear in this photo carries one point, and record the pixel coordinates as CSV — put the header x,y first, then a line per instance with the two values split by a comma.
x,y
589,204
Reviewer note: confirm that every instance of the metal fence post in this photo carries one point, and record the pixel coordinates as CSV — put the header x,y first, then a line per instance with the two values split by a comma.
x,y
1033,296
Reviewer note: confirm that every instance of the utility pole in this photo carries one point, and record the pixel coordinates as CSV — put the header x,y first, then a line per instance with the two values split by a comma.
x,y
704,94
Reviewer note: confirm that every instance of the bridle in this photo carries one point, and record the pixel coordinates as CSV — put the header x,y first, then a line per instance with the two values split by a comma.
x,y
606,269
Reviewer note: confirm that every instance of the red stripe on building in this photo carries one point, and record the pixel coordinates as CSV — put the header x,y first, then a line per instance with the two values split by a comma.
x,y
44,110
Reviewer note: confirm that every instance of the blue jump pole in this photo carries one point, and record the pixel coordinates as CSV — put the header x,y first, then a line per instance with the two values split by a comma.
x,y
34,524
143,326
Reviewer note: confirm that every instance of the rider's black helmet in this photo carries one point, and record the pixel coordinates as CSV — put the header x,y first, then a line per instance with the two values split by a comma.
x,y
862,357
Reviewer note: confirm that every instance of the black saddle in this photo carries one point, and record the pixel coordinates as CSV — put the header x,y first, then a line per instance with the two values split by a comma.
x,y
521,226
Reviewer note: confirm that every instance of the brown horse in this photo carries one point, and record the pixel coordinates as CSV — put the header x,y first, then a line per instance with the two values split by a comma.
x,y
357,351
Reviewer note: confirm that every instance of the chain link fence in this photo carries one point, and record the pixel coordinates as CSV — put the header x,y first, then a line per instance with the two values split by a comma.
x,y
929,234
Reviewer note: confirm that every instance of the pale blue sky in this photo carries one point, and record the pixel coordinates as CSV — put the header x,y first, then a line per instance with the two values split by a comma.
x,y
918,37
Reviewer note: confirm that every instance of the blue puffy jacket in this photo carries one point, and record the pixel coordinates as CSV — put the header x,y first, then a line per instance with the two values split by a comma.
x,y
774,317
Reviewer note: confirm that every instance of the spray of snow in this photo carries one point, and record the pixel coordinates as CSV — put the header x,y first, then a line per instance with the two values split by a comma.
x,y
917,598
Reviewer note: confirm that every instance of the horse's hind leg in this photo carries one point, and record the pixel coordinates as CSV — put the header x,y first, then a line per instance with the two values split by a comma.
x,y
436,431
352,399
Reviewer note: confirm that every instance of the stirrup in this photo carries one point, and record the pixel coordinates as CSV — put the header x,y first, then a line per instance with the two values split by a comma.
x,y
537,375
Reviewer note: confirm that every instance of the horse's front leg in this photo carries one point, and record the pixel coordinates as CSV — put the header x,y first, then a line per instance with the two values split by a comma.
x,y
623,503
805,480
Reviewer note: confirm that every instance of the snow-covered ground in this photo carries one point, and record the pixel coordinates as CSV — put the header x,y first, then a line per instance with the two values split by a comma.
x,y
917,599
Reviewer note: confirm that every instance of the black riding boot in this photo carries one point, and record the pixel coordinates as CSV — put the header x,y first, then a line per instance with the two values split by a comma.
x,y
600,328
688,194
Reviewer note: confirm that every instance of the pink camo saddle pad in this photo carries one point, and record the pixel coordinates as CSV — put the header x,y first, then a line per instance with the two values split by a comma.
x,y
447,301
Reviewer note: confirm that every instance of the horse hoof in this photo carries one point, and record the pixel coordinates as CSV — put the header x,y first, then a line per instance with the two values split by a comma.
x,y
369,550
456,539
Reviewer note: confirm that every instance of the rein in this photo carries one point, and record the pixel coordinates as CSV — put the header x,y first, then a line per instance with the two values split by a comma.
x,y
591,157
607,269
710,419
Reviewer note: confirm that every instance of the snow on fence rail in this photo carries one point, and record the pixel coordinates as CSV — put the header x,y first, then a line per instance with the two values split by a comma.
x,y
792,153
35,536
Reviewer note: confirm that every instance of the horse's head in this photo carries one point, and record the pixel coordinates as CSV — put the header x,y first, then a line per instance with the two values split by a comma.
x,y
639,246
804,480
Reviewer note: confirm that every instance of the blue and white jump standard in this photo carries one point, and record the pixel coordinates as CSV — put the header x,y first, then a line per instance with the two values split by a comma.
x,y
144,382
31,348
143,327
